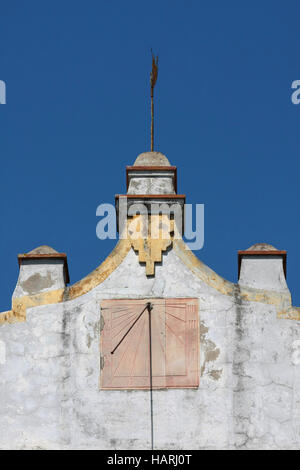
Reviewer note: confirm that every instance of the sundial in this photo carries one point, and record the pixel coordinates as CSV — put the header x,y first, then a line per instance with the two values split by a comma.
x,y
125,343
149,344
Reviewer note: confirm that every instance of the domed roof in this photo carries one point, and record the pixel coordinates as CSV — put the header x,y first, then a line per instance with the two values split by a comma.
x,y
262,247
152,159
42,250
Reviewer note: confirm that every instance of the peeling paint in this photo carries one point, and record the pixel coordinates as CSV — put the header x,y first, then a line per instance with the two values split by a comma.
x,y
88,341
102,323
215,374
282,301
37,283
210,352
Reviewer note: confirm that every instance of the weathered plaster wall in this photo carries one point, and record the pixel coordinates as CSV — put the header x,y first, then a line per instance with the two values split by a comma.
x,y
259,272
249,394
37,277
145,183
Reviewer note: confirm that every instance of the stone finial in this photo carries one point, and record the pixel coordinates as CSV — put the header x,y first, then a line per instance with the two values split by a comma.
x,y
262,266
151,159
42,250
262,247
41,270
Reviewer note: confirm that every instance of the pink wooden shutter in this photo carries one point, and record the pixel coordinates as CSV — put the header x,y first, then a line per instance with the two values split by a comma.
x,y
182,339
174,325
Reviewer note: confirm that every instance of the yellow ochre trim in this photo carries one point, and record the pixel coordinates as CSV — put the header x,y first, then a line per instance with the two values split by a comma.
x,y
97,276
20,304
282,302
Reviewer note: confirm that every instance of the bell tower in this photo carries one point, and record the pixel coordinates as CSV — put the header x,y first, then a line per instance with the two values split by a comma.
x,y
151,213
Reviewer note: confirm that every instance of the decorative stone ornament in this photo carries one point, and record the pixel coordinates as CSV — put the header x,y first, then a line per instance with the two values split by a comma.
x,y
149,237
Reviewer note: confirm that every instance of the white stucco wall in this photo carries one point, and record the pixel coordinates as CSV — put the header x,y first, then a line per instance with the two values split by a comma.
x,y
249,393
146,183
263,272
39,276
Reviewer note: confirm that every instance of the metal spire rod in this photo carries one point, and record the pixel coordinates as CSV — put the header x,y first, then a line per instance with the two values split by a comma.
x,y
149,308
153,78
152,121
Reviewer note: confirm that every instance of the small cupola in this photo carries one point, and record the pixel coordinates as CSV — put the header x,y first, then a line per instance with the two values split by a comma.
x,y
262,266
41,270
152,182
151,174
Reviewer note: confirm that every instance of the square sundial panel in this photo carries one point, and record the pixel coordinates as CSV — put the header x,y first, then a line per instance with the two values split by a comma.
x,y
174,341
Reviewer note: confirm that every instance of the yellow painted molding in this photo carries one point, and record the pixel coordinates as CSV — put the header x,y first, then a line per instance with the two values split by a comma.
x,y
20,304
101,273
200,269
282,302
292,313
7,317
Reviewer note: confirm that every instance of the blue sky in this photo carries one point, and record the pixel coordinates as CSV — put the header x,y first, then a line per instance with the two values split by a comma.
x,y
77,112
